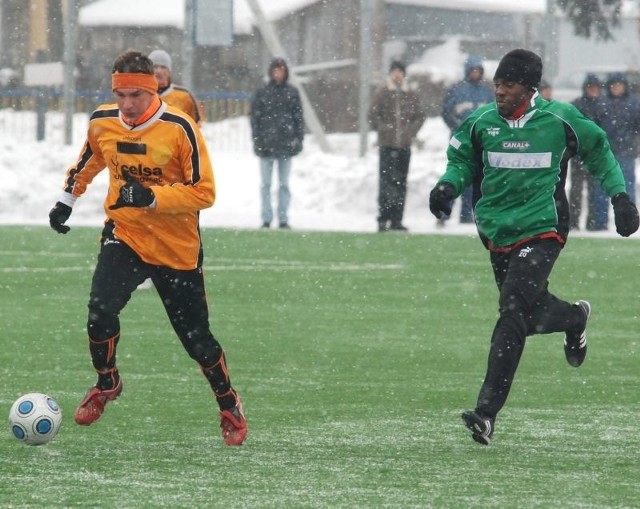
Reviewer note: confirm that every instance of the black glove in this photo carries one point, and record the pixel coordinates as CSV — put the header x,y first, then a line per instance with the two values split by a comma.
x,y
626,214
133,194
440,200
58,215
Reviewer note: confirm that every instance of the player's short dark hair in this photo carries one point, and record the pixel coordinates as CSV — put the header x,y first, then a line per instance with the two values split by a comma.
x,y
132,61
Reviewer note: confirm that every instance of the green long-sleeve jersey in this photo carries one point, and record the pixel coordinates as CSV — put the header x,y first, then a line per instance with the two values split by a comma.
x,y
518,168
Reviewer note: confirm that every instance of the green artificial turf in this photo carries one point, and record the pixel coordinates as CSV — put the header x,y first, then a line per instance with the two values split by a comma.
x,y
354,355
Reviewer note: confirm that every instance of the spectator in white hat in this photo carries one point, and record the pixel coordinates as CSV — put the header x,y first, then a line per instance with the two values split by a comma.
x,y
171,93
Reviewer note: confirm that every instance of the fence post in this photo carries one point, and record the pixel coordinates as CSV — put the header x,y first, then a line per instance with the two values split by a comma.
x,y
41,112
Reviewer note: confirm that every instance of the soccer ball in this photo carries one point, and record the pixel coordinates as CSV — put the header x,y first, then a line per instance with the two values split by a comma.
x,y
35,418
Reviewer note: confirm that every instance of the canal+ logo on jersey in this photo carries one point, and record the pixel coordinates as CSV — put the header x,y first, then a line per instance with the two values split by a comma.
x,y
516,145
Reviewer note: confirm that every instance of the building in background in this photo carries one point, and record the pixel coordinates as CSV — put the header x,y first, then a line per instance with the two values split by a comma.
x,y
321,39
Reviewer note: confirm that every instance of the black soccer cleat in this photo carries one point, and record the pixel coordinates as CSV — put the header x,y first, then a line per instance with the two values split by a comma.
x,y
575,340
481,427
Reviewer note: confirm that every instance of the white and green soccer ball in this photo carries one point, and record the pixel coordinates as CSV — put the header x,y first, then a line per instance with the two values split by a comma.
x,y
35,418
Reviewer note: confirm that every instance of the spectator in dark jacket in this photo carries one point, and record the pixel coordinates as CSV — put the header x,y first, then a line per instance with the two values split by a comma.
x,y
590,104
397,114
460,100
620,119
277,128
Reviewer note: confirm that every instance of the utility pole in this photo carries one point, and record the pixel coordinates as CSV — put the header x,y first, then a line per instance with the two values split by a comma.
x,y
187,45
365,73
69,64
551,47
276,49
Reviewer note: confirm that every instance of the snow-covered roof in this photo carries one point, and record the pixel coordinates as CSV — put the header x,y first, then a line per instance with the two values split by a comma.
x,y
171,12
629,7
133,13
526,6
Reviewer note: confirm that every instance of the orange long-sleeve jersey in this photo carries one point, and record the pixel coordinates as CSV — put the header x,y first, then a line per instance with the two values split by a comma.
x,y
179,97
168,154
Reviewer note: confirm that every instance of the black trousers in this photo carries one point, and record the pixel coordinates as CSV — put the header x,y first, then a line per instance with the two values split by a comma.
x,y
392,191
118,273
526,308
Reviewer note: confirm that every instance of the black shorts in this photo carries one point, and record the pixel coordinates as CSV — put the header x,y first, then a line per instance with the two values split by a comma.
x,y
120,270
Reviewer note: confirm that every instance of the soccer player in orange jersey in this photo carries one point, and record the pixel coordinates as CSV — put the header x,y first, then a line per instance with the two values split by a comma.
x,y
160,177
172,93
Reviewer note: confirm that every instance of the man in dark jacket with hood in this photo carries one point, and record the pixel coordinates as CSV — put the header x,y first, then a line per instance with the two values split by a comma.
x,y
277,128
620,119
590,104
459,102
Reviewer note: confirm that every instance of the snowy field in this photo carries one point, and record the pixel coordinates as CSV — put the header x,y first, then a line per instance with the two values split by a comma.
x,y
334,191
330,191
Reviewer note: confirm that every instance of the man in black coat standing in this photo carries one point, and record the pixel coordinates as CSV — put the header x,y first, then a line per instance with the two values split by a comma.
x,y
620,119
397,114
277,128
590,104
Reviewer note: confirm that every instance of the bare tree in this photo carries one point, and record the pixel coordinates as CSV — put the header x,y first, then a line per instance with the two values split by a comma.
x,y
592,17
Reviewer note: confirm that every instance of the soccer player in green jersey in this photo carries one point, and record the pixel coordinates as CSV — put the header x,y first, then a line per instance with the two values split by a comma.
x,y
514,153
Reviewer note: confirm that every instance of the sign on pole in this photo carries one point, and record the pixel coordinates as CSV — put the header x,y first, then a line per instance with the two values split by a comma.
x,y
44,75
213,22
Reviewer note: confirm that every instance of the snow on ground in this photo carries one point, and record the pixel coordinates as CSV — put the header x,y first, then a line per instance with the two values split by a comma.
x,y
330,191
334,191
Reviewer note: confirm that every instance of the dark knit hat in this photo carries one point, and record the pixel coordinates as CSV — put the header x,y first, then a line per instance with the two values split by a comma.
x,y
396,64
591,80
617,77
520,66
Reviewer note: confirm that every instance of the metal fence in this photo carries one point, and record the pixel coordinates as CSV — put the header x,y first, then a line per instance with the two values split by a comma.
x,y
37,115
